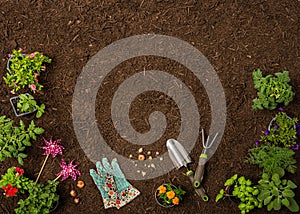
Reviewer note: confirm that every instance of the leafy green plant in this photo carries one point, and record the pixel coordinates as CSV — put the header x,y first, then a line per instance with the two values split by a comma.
x,y
14,139
14,176
244,190
26,103
270,157
282,132
23,70
40,200
272,90
275,192
169,195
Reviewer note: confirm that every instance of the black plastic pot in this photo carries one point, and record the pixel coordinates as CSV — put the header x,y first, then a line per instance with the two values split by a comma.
x,y
9,63
54,207
13,102
228,192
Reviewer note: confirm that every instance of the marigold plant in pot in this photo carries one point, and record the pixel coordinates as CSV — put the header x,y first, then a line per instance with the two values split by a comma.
x,y
24,104
24,70
272,91
168,195
243,191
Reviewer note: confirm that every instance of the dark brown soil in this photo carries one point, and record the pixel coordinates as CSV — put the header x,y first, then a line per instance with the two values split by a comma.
x,y
236,37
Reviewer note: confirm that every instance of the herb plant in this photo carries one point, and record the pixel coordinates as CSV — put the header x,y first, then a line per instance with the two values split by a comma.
x,y
26,103
40,200
169,195
272,90
243,190
270,157
23,70
14,139
283,132
275,192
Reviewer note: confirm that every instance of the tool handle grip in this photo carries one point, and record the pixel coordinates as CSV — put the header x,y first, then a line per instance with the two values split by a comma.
x,y
199,175
200,191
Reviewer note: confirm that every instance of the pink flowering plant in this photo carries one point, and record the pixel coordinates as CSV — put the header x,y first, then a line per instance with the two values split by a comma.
x,y
24,70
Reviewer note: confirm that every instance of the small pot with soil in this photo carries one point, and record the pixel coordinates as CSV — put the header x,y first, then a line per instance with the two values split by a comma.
x,y
18,112
168,195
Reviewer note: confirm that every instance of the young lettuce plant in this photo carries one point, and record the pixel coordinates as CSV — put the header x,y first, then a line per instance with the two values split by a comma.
x,y
243,190
272,91
275,192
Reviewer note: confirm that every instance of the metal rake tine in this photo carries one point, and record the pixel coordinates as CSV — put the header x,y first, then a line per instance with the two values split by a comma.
x,y
207,147
203,141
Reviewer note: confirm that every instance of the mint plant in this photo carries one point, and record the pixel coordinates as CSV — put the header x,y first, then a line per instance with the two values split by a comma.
x,y
41,199
14,139
244,190
272,91
24,70
26,103
270,157
276,192
283,131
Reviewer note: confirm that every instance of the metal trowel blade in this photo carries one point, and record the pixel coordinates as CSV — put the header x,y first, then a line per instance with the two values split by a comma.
x,y
178,154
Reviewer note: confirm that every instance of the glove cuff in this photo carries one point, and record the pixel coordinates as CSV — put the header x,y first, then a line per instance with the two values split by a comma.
x,y
126,196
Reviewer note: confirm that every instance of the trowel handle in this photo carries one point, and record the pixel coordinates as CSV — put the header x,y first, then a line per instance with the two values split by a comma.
x,y
200,191
200,170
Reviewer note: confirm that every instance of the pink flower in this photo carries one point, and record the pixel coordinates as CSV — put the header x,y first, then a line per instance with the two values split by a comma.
x,y
36,80
32,55
19,171
52,147
33,87
15,83
13,92
68,170
44,68
9,55
20,49
36,74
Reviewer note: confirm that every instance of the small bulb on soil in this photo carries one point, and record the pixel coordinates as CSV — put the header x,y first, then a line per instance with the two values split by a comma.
x,y
140,150
156,153
130,156
76,200
73,193
150,157
141,157
143,173
80,184
149,153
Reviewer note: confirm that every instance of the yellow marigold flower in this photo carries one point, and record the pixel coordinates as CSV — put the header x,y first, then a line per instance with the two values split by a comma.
x,y
170,194
175,201
162,189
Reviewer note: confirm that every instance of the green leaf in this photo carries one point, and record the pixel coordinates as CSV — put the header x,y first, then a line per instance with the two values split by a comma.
x,y
263,195
268,199
38,130
277,204
20,161
288,193
218,197
270,206
285,202
291,185
293,206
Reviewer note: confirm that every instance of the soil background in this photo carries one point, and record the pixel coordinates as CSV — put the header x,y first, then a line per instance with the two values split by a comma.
x,y
235,36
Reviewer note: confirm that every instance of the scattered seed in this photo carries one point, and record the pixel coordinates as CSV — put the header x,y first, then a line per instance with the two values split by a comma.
x,y
141,157
161,158
152,165
130,156
150,157
76,200
143,173
73,193
140,150
135,164
149,153
156,153
138,171
80,184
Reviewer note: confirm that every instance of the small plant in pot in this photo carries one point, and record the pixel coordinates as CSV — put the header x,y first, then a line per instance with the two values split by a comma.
x,y
24,70
168,195
24,104
281,131
272,91
243,191
276,192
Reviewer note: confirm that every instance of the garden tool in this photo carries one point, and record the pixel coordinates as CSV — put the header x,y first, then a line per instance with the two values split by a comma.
x,y
203,159
120,190
180,157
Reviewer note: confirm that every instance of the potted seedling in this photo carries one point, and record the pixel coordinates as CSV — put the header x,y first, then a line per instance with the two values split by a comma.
x,y
241,190
24,70
276,192
281,131
168,195
24,104
14,139
272,91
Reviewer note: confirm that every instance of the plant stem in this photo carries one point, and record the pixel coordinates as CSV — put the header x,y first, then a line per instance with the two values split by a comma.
x,y
41,169
57,178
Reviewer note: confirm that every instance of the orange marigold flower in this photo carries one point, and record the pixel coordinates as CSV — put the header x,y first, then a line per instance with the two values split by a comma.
x,y
175,201
162,189
170,194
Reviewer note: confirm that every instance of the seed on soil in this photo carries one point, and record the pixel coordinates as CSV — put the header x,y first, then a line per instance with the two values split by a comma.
x,y
141,157
73,193
76,200
130,156
150,157
152,165
138,171
140,150
149,153
161,158
143,173
156,153
80,184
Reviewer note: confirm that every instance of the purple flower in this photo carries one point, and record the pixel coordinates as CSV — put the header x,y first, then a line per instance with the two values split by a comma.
x,y
267,132
52,147
256,142
296,147
280,109
276,126
298,128
68,170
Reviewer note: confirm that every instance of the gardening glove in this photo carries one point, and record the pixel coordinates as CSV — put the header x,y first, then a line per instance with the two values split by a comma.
x,y
125,190
106,185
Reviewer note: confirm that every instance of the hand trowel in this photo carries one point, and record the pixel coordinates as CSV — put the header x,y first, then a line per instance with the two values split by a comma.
x,y
180,157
